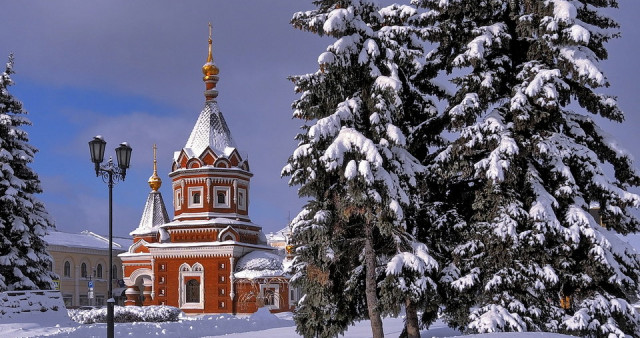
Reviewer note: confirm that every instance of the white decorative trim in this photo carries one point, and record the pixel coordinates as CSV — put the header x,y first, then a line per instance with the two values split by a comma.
x,y
177,199
196,252
227,200
232,268
136,245
137,264
191,192
208,215
208,184
222,175
190,230
227,232
187,271
131,280
242,199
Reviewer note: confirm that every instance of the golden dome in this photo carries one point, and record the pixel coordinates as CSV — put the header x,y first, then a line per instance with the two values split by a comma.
x,y
210,68
154,181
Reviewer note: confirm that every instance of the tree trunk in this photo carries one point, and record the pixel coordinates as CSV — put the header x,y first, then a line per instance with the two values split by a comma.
x,y
411,324
371,285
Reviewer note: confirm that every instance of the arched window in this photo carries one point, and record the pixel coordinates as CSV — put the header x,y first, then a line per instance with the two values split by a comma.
x,y
67,269
196,198
193,291
114,272
83,270
269,296
222,198
99,271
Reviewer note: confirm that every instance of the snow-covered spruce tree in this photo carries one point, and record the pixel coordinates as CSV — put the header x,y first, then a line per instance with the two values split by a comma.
x,y
24,221
357,256
528,145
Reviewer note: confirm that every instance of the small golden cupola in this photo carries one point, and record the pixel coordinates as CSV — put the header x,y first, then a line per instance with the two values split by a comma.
x,y
154,181
210,71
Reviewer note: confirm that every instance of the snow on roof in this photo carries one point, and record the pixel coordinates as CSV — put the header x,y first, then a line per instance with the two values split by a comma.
x,y
153,215
85,239
258,264
280,235
206,244
217,220
210,130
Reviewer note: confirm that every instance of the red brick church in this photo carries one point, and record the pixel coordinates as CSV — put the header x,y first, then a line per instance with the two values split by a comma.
x,y
210,258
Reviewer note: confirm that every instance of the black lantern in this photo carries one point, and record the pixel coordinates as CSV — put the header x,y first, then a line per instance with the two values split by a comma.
x,y
123,155
96,147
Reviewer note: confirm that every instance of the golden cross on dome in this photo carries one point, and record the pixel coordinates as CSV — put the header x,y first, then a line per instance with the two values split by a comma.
x,y
155,165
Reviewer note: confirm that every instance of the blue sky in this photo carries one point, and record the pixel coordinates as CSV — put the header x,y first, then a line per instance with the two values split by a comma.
x,y
131,71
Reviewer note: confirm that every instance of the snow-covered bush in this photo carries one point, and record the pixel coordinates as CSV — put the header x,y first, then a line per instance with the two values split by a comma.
x,y
127,314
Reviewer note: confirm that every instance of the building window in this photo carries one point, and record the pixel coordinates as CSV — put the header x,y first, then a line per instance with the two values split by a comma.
x,y
67,269
100,300
242,199
49,266
193,291
99,271
270,294
162,280
163,267
84,300
221,305
293,295
221,292
191,286
221,279
221,266
83,270
162,292
195,200
222,197
177,199
114,272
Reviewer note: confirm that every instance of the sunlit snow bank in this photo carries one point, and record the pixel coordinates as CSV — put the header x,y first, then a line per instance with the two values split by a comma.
x,y
516,335
262,324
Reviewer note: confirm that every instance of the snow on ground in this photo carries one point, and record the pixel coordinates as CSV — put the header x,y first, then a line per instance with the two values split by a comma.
x,y
261,323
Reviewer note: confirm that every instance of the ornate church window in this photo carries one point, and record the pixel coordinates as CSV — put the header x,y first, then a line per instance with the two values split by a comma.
x,y
221,199
191,286
195,197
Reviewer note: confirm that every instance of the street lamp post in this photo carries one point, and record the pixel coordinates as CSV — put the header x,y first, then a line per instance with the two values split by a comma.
x,y
110,173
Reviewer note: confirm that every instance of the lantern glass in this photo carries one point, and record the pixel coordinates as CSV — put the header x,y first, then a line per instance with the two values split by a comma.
x,y
123,155
96,147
